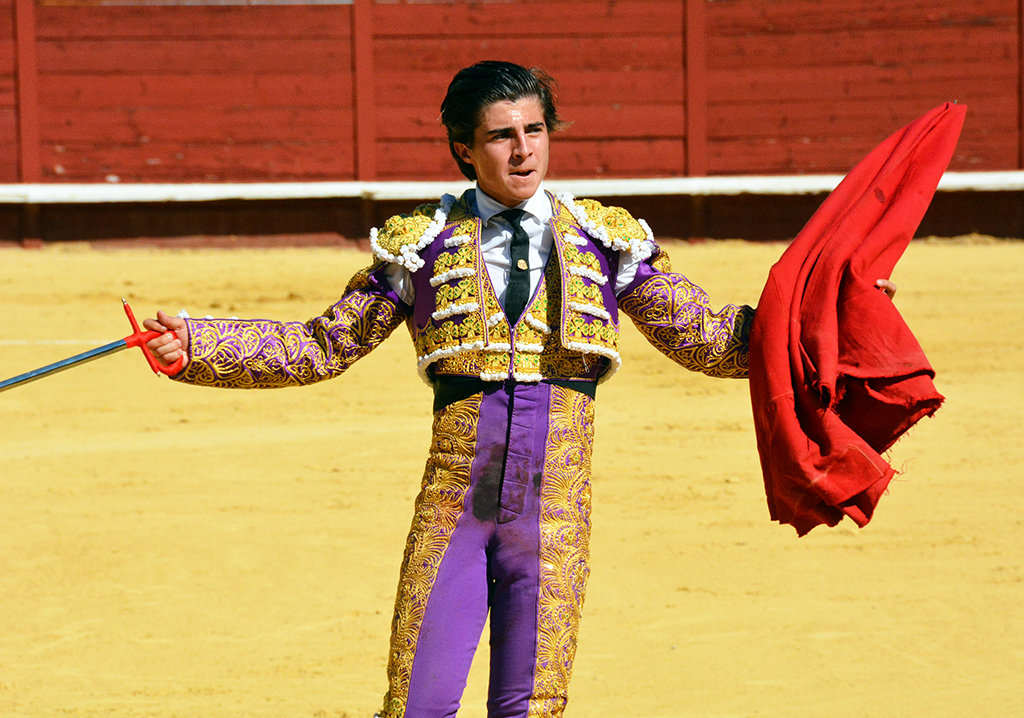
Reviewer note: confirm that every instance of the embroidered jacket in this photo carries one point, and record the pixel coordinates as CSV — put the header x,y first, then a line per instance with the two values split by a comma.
x,y
568,332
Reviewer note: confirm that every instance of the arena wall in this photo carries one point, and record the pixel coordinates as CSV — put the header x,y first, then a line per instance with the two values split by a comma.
x,y
335,90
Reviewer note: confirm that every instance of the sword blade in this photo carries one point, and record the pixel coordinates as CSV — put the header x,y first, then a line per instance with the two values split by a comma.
x,y
63,364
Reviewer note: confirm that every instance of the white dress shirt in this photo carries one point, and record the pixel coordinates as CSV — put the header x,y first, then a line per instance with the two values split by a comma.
x,y
496,245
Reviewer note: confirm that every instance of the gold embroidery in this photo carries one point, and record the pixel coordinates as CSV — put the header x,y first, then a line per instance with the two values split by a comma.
x,y
461,292
676,316
438,508
462,364
463,258
619,223
249,354
527,364
584,290
661,262
404,229
580,331
453,341
485,361
449,334
564,547
574,256
494,364
498,332
591,332
560,363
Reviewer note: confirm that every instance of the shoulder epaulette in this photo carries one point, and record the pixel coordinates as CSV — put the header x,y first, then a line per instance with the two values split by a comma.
x,y
404,235
612,226
404,229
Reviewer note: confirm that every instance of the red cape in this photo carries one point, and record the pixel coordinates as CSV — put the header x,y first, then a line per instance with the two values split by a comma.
x,y
836,377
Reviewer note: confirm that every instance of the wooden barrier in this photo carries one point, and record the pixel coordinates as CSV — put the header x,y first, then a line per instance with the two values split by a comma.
x,y
350,91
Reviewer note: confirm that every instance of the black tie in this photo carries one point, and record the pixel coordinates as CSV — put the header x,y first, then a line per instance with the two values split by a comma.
x,y
518,291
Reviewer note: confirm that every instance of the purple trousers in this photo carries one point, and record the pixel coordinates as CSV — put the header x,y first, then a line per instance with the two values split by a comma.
x,y
502,524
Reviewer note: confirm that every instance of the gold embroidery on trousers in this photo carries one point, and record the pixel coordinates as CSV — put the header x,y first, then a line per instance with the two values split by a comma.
x,y
564,547
438,508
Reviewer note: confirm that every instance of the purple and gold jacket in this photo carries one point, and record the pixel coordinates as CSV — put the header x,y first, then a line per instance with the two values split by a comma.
x,y
569,331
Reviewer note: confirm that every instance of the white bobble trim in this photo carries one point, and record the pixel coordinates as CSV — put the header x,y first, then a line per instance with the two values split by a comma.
x,y
590,309
537,324
494,319
588,273
455,309
451,274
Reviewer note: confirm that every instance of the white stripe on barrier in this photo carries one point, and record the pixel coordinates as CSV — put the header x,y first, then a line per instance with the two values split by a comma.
x,y
683,186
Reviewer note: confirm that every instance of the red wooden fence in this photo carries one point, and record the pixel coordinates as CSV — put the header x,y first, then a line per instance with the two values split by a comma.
x,y
143,93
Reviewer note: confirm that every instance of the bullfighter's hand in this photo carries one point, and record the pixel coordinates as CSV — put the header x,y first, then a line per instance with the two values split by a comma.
x,y
166,348
886,286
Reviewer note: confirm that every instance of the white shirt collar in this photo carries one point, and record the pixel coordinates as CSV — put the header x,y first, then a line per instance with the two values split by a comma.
x,y
538,205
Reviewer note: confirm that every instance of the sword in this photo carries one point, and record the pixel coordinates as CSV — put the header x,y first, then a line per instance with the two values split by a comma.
x,y
137,339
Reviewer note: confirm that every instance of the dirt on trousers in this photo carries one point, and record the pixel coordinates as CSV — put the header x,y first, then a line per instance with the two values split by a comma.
x,y
170,551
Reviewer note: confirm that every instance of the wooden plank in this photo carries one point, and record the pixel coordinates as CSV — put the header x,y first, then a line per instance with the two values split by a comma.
x,y
978,79
619,158
364,126
200,162
1020,84
27,90
624,54
578,87
590,122
840,119
696,128
7,55
731,157
7,19
895,48
196,22
9,125
734,157
584,158
551,18
8,97
801,16
210,90
198,125
184,56
8,162
987,152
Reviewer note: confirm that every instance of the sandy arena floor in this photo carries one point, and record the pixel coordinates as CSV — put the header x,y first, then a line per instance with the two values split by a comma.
x,y
171,551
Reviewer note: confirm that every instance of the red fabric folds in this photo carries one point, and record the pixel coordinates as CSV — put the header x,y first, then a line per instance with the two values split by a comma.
x,y
836,376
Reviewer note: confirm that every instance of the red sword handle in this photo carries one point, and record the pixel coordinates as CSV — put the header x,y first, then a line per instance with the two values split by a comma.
x,y
139,339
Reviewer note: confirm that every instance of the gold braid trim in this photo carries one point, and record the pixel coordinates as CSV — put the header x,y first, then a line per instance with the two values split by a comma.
x,y
675,315
438,508
564,547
